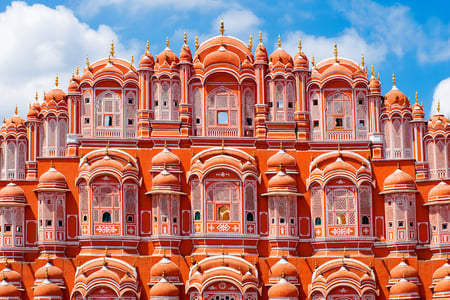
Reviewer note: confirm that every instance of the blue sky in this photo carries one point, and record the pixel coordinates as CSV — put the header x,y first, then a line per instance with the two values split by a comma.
x,y
45,38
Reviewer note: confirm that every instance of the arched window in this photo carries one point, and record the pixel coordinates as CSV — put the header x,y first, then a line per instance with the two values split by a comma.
x,y
365,220
108,110
106,217
250,217
197,216
341,219
223,213
222,113
338,115
318,221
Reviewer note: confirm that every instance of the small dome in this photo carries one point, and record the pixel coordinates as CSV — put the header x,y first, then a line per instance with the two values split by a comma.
x,y
169,268
343,273
146,61
13,123
417,111
104,272
47,289
284,267
12,190
167,56
8,290
11,275
283,158
185,54
363,170
247,64
374,85
52,178
395,96
165,178
283,289
261,54
164,289
442,271
87,74
222,55
440,192
73,85
281,181
438,122
340,165
404,287
165,157
301,61
109,68
279,55
443,286
403,270
49,271
399,180
337,69
131,74
56,95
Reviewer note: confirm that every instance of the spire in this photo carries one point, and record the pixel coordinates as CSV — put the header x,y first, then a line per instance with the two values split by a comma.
x,y
106,251
362,60
282,274
164,250
223,146
185,38
260,37
417,99
299,46
339,150
167,42
372,71
111,52
250,42
87,61
46,272
335,52
281,169
106,151
37,96
196,42
223,250
393,79
147,48
56,81
438,106
132,62
313,62
279,41
281,145
222,28
78,71
16,111
51,164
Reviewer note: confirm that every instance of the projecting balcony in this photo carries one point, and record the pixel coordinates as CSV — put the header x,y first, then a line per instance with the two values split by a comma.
x,y
339,135
108,133
222,131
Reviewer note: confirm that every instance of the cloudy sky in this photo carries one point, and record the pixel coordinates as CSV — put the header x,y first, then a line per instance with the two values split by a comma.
x,y
45,38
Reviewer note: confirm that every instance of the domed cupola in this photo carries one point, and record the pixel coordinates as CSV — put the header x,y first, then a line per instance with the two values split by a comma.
x,y
281,183
403,270
417,110
280,58
9,291
47,290
147,61
52,180
399,182
131,74
35,109
13,126
261,52
73,85
12,194
166,58
404,290
438,122
185,52
442,288
440,193
55,94
300,60
283,290
283,267
283,158
165,268
163,290
166,159
441,272
374,84
395,96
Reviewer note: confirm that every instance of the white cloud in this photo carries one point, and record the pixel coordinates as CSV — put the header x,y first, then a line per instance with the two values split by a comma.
x,y
91,8
39,42
239,23
349,43
442,94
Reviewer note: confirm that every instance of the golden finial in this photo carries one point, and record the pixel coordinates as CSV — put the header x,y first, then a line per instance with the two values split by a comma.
x,y
315,264
185,38
339,150
6,262
282,274
345,251
78,71
372,71
147,48
446,257
106,251
196,42
222,28
335,52
167,42
299,46
281,145
56,81
51,164
165,143
417,99
223,250
343,261
111,52
260,37
281,166
282,250
192,260
404,275
403,257
362,60
87,61
438,106
106,150
370,265
164,252
393,79
313,62
37,96
132,59
250,42
16,110
104,261
46,272
279,41
378,77
223,146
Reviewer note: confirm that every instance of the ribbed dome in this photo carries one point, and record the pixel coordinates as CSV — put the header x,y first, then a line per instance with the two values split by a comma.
x,y
261,54
165,157
56,95
374,85
280,55
167,267
395,96
443,286
165,178
342,273
301,61
283,289
104,272
49,271
11,275
442,271
185,54
283,267
440,192
52,178
282,181
8,290
146,61
403,270
283,158
399,180
222,55
164,289
12,190
47,288
339,165
404,287
167,56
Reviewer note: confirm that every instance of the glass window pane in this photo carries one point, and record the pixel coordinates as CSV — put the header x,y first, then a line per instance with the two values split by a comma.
x,y
222,118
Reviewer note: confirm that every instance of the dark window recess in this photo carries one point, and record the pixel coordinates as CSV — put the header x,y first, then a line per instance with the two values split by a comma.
x,y
130,219
156,103
197,216
84,218
174,220
292,221
7,228
250,217
316,123
400,223
175,103
281,220
444,226
338,122
130,121
290,105
273,221
48,223
390,224
318,221
106,217
60,223
155,219
315,102
361,123
165,103
19,228
360,101
87,100
87,121
130,101
365,220
197,120
249,121
270,104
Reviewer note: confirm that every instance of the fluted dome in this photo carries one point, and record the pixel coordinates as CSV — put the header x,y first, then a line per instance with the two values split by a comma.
x,y
398,181
167,56
11,190
283,289
185,54
374,85
282,181
8,290
284,267
442,271
56,95
443,286
261,54
164,289
11,275
440,192
280,55
301,61
339,165
52,179
404,287
222,55
104,272
47,288
165,267
343,273
165,157
165,178
283,158
395,96
146,61
49,271
403,270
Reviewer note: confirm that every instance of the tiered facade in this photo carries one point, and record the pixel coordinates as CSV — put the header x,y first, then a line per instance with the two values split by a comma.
x,y
225,175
